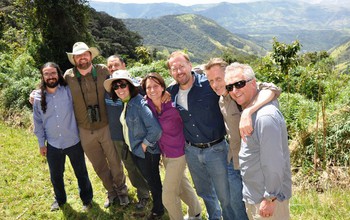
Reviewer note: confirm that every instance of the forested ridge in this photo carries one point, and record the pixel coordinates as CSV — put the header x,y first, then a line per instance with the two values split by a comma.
x,y
319,25
201,36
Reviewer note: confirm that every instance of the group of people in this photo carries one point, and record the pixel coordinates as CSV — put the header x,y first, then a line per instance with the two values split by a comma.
x,y
115,119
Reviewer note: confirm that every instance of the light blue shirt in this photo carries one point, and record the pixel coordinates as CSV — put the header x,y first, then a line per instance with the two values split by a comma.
x,y
58,125
264,160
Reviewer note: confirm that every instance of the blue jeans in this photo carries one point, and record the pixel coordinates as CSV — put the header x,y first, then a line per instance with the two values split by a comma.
x,y
149,167
208,168
56,159
235,182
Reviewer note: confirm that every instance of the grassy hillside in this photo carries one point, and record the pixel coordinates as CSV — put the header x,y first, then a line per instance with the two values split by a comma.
x,y
26,191
341,55
199,35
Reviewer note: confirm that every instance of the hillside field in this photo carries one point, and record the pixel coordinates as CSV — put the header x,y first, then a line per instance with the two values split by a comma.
x,y
26,191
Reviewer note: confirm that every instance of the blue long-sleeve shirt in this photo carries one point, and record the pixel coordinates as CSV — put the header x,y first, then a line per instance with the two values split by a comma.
x,y
203,121
58,125
114,110
264,160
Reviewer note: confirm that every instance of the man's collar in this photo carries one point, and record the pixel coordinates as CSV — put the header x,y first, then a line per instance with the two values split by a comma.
x,y
85,72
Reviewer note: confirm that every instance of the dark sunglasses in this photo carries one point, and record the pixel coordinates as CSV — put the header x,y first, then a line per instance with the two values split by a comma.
x,y
237,85
117,86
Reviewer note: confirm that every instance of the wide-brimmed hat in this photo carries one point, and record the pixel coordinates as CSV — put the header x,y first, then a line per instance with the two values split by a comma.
x,y
119,74
81,47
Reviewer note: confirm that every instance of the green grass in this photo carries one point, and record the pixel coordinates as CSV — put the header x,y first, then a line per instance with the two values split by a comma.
x,y
26,191
311,205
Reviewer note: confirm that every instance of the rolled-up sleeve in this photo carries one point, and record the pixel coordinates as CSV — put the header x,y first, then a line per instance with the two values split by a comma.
x,y
154,131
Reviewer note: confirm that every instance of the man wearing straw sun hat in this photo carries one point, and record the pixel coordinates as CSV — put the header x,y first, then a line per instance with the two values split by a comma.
x,y
85,81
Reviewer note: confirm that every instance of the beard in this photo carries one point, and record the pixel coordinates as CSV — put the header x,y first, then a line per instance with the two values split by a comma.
x,y
83,64
51,83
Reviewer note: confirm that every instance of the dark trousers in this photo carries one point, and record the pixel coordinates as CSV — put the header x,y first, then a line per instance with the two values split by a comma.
x,y
149,167
56,159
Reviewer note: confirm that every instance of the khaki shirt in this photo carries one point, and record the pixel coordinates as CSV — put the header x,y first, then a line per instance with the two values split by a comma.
x,y
88,87
232,115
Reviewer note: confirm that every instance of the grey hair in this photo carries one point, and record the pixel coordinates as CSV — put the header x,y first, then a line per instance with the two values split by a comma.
x,y
248,72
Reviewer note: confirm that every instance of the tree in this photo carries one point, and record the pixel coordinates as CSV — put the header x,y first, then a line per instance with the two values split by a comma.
x,y
112,37
56,26
143,55
285,55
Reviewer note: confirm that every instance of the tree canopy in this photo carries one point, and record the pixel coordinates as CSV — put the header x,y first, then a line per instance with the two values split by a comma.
x,y
50,28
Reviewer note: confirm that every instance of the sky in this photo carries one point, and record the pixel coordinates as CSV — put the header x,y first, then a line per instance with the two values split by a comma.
x,y
181,2
195,2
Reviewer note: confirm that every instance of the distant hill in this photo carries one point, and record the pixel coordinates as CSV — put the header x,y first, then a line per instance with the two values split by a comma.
x,y
199,35
341,55
317,27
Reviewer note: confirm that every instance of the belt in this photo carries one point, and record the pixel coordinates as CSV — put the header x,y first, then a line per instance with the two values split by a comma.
x,y
206,145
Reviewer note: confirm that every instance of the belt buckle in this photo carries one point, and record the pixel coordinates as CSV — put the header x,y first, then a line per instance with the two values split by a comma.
x,y
203,145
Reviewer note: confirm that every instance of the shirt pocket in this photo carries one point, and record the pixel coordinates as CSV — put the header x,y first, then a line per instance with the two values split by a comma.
x,y
136,127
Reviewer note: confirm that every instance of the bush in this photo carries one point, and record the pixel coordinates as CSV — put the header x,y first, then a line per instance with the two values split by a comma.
x,y
17,79
320,141
299,114
17,117
298,111
15,96
140,70
332,139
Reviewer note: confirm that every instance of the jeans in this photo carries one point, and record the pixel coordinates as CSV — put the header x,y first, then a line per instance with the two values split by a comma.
x,y
208,168
56,159
149,167
235,182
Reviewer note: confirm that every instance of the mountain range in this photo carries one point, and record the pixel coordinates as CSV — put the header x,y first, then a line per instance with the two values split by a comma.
x,y
199,35
316,26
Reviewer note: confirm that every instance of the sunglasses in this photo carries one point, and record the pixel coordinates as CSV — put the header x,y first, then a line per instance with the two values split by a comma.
x,y
117,86
237,85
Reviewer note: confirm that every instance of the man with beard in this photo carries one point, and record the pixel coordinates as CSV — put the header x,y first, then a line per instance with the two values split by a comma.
x,y
85,81
206,148
59,138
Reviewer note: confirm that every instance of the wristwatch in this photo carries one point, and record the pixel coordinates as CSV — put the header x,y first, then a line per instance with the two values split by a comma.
x,y
270,199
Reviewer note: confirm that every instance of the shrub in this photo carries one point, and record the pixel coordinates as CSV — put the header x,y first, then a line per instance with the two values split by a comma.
x,y
160,67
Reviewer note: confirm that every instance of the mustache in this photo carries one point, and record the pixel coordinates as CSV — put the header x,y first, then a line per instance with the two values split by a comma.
x,y
51,83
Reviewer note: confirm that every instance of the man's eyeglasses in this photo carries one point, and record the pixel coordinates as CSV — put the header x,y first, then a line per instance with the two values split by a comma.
x,y
47,74
117,86
237,85
175,70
